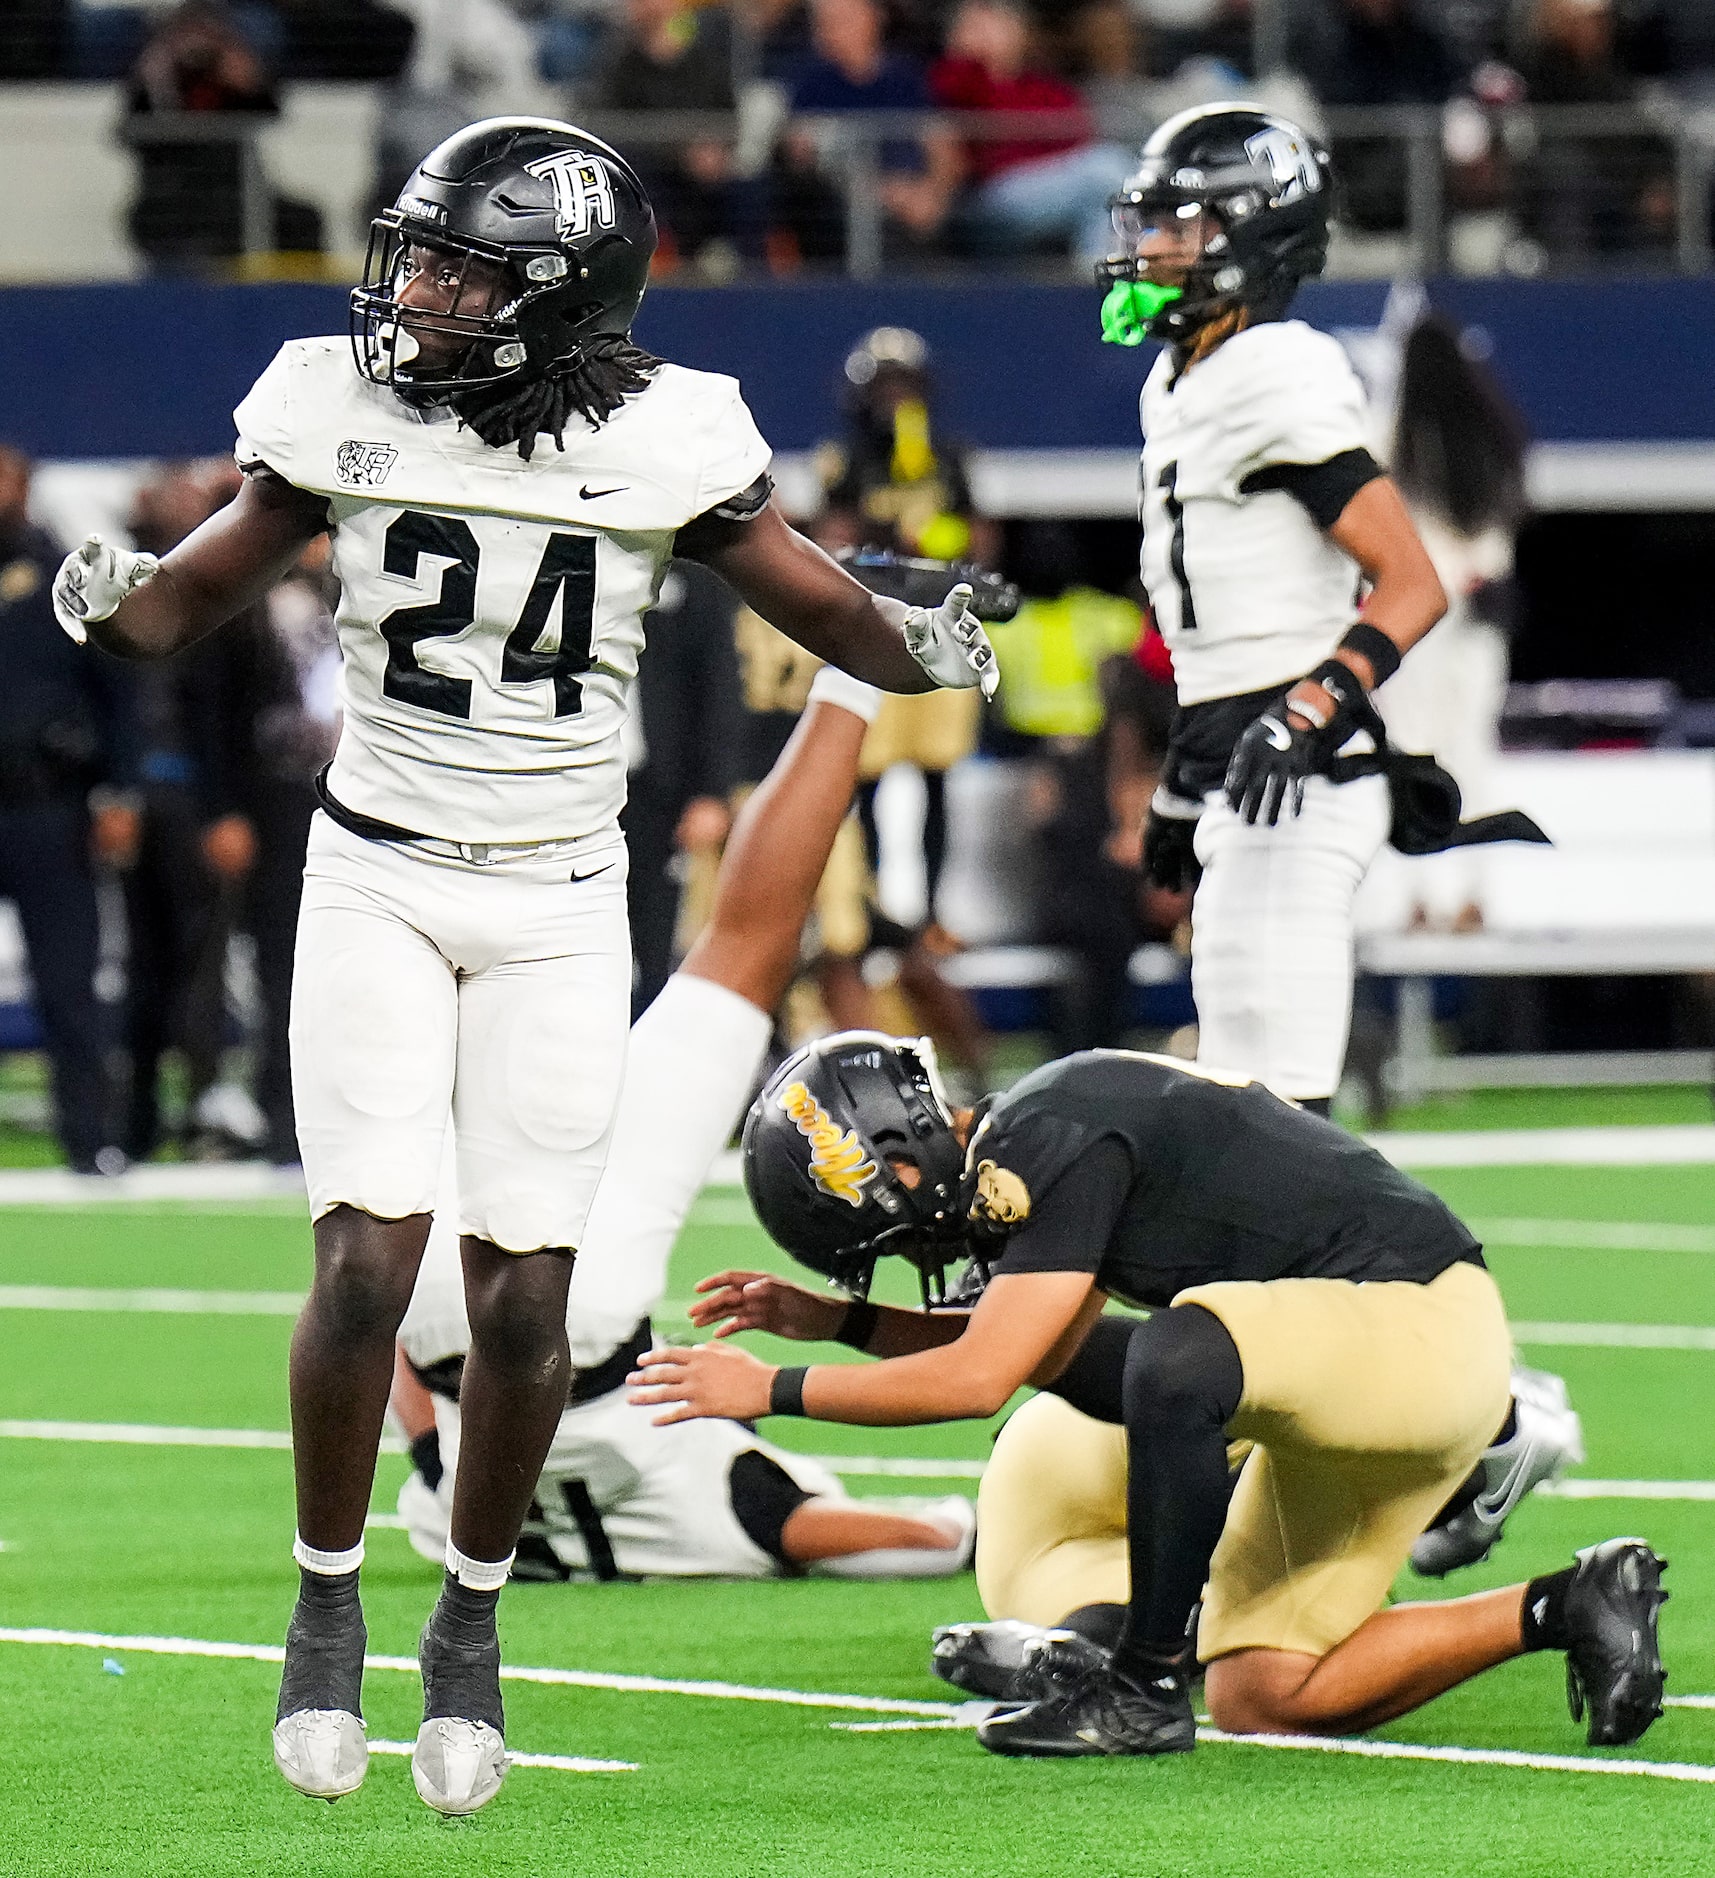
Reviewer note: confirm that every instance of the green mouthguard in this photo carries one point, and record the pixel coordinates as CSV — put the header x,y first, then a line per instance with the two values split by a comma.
x,y
1130,306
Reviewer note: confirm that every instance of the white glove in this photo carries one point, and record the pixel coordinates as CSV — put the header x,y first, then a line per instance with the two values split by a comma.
x,y
92,582
951,646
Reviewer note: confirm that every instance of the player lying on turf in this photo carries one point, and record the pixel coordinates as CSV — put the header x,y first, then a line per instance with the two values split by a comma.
x,y
505,476
617,1494
1051,1516
1324,1306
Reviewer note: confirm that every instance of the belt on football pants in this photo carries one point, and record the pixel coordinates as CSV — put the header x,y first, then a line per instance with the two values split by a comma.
x,y
372,828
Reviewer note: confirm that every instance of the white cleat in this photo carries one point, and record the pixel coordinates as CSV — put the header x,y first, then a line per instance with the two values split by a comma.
x,y
458,1765
322,1752
1548,1439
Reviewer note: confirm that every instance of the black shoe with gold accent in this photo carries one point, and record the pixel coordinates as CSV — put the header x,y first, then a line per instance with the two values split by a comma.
x,y
1101,1710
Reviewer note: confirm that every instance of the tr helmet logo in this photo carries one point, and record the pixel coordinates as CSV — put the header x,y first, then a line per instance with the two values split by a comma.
x,y
1296,171
583,191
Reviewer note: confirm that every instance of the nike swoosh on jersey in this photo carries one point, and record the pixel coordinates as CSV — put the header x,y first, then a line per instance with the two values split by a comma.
x,y
577,880
587,494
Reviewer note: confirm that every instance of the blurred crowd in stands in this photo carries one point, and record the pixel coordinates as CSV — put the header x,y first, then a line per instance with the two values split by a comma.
x,y
1069,88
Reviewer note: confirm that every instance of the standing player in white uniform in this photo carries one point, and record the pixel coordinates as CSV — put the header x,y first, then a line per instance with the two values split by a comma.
x,y
1265,519
504,476
1289,582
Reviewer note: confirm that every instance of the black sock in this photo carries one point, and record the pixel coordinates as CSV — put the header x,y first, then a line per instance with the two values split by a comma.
x,y
1543,1617
325,1642
1101,1623
460,1657
1183,1382
324,1593
426,1457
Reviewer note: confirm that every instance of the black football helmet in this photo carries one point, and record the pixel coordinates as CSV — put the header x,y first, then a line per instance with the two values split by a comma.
x,y
1267,187
560,210
817,1148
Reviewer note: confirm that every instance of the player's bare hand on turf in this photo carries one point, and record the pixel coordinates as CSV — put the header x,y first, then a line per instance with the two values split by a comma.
x,y
760,1301
709,1381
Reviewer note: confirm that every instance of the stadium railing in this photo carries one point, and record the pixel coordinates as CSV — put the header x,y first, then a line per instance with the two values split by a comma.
x,y
60,142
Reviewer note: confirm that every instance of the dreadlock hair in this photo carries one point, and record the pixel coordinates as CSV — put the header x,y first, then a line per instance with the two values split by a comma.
x,y
1459,446
594,381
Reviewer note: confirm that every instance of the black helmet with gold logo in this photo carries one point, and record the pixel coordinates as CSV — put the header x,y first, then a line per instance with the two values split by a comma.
x,y
850,1153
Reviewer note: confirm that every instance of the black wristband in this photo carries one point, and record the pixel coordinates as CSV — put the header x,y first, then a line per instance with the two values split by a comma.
x,y
1384,656
786,1392
858,1324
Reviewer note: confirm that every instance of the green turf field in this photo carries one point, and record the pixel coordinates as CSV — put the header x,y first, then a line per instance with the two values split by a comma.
x,y
164,1768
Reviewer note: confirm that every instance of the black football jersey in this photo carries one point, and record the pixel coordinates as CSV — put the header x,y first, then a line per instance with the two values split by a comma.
x,y
1155,1176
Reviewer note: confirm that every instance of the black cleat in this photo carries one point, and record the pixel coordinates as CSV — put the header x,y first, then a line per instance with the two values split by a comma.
x,y
1613,1664
1097,1710
986,1659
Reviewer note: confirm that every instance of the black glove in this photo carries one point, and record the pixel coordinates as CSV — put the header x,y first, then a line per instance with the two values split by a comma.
x,y
1169,850
927,583
1274,759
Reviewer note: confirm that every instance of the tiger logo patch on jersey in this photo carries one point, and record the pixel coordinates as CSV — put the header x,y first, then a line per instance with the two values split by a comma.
x,y
838,1164
1002,1197
364,465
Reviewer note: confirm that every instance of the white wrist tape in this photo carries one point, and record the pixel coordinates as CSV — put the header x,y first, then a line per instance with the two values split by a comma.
x,y
832,686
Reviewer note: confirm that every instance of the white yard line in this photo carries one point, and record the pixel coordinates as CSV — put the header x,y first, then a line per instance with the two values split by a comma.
x,y
1689,1701
1551,1147
932,1714
1581,1488
224,1181
569,1678
1617,1336
560,1763
1594,1235
172,1303
852,1466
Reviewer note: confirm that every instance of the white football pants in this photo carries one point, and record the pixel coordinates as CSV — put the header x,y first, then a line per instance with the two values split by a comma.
x,y
425,985
1271,935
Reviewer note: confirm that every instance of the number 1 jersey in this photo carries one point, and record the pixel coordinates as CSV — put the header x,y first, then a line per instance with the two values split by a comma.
x,y
491,610
1247,590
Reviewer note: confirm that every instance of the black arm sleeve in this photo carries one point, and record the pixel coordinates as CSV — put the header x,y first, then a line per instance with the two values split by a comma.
x,y
1069,1228
1323,489
706,534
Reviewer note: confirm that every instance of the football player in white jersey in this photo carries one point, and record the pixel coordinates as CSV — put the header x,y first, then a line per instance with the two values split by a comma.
x,y
1289,582
1285,576
504,476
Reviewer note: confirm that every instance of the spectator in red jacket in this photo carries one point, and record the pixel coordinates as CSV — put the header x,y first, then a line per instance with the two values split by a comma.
x,y
1029,187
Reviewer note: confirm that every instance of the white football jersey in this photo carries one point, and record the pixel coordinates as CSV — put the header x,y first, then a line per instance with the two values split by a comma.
x,y
491,610
1246,589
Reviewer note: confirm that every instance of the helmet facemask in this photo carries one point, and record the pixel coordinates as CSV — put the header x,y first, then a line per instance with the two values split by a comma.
x,y
494,348
1210,280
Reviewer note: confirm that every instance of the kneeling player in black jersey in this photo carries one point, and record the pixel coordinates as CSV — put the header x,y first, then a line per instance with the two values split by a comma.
x,y
1326,1308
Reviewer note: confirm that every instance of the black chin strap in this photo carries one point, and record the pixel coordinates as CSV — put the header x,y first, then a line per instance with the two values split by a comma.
x,y
594,381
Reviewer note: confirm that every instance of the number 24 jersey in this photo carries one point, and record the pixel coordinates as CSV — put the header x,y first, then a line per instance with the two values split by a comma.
x,y
491,610
1246,589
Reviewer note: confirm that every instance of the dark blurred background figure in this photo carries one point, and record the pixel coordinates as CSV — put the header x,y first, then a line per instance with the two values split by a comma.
x,y
1584,198
891,481
68,778
1047,190
1091,725
1458,456
270,712
685,752
196,194
181,895
1373,52
664,55
851,71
